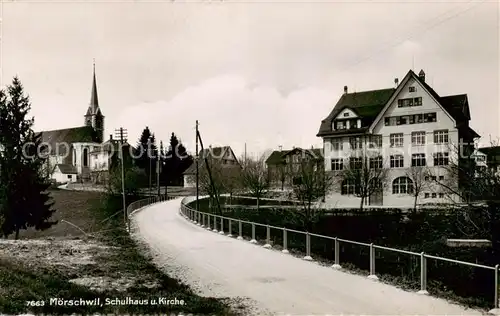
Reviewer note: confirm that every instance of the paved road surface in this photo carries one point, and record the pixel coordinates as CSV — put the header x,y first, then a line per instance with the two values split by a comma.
x,y
216,265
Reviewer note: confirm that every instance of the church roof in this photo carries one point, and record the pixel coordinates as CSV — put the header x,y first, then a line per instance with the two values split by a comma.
x,y
61,139
67,169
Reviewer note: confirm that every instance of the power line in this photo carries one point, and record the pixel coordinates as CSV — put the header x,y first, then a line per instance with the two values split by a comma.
x,y
414,34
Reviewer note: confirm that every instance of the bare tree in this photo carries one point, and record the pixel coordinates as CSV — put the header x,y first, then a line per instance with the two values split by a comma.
x,y
232,180
419,177
464,178
367,174
254,177
309,184
215,186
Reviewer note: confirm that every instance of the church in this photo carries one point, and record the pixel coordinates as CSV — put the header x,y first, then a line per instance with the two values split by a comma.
x,y
80,154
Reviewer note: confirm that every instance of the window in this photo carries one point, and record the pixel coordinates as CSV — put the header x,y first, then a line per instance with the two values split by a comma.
x,y
441,137
397,161
417,138
355,163
346,114
441,178
337,164
441,159
74,157
349,187
427,195
85,155
412,89
429,117
376,162
402,185
402,103
419,118
441,195
417,101
70,176
355,143
433,178
418,160
405,120
434,195
376,141
396,140
427,178
340,125
337,144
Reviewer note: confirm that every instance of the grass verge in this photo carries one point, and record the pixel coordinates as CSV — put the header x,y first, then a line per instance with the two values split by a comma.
x,y
43,282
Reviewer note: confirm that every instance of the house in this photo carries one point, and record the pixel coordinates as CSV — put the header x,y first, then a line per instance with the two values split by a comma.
x,y
224,155
282,164
490,158
69,149
103,158
408,125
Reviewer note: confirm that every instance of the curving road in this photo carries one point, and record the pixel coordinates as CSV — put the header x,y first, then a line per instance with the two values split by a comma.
x,y
275,283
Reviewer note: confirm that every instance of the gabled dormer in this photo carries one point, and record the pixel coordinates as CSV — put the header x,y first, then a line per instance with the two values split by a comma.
x,y
347,119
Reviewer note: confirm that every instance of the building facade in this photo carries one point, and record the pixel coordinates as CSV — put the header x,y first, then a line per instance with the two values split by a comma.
x,y
282,165
401,129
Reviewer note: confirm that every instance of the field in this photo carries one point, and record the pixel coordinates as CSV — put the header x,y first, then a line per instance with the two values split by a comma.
x,y
88,255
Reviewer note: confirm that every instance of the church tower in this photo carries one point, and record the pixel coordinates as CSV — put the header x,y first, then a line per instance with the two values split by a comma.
x,y
94,117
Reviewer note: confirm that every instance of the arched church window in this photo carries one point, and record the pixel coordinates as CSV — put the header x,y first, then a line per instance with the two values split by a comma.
x,y
85,157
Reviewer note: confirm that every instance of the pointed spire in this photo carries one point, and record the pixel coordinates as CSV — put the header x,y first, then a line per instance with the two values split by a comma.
x,y
94,102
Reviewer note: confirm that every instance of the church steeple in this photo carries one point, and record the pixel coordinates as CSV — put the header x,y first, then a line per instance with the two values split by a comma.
x,y
94,102
94,117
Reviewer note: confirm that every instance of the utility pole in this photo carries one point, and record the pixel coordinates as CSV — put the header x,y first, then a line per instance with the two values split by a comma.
x,y
122,135
197,171
150,161
158,167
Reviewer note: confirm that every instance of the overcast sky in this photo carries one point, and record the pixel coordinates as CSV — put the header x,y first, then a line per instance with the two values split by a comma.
x,y
262,73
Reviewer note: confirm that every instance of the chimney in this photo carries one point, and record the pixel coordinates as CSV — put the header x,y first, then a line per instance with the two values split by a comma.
x,y
396,82
110,136
345,89
421,74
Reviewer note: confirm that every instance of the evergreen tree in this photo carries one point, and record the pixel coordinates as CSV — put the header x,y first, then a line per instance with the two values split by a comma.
x,y
176,162
140,153
146,152
24,201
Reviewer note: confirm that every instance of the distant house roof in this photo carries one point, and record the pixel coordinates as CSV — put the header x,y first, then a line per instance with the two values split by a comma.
x,y
213,152
492,154
57,139
368,105
278,156
67,169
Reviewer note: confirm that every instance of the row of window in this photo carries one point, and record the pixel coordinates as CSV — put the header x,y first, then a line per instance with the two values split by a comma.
x,y
347,124
410,119
418,138
433,195
396,140
401,185
395,161
402,103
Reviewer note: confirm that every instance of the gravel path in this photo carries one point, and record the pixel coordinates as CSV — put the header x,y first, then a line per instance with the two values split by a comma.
x,y
275,283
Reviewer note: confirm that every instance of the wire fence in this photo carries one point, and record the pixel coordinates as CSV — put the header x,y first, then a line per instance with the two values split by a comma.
x,y
417,268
